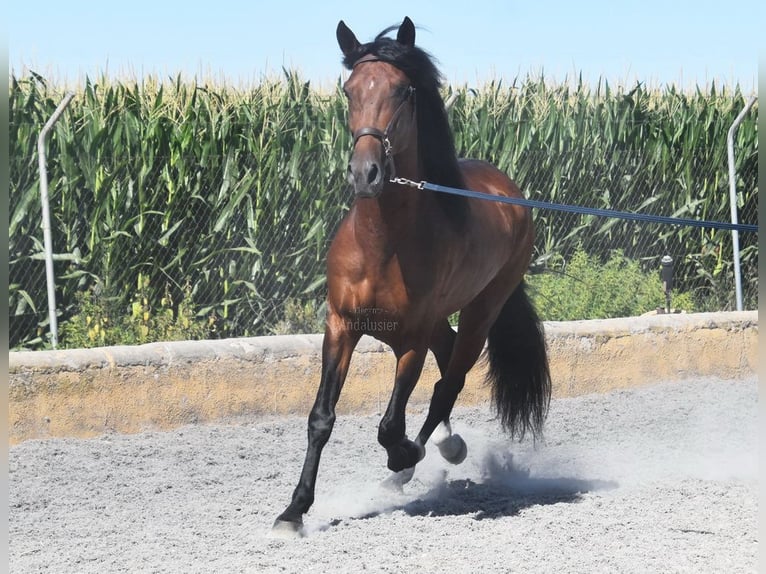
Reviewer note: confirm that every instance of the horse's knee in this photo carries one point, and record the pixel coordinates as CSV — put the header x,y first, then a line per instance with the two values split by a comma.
x,y
320,427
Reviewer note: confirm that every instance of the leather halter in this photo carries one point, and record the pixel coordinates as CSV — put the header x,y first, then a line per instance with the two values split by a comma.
x,y
384,135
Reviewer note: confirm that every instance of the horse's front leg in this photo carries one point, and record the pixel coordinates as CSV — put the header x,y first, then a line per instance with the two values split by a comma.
x,y
337,348
402,452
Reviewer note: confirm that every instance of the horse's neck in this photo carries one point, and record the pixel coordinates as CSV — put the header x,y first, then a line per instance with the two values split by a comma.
x,y
388,218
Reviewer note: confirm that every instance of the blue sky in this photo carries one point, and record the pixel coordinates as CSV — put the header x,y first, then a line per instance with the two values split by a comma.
x,y
655,41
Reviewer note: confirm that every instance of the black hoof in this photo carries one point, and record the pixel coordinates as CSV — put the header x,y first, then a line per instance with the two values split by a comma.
x,y
287,529
453,449
405,454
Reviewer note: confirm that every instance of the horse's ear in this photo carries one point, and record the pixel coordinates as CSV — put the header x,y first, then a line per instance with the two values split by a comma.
x,y
346,39
406,33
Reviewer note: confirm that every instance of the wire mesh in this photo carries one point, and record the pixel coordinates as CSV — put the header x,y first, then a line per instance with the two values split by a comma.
x,y
219,226
265,274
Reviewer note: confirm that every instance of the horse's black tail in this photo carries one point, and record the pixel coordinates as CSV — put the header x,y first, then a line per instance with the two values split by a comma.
x,y
518,366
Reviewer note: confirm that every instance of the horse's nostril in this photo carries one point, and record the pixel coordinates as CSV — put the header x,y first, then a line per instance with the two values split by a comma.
x,y
372,175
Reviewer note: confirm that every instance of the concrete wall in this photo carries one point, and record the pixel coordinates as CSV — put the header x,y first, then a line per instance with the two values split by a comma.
x,y
83,393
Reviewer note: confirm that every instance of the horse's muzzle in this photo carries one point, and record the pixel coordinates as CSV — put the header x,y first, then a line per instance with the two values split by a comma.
x,y
367,176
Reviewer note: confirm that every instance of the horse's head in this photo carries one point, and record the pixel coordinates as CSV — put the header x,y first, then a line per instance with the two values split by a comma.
x,y
381,102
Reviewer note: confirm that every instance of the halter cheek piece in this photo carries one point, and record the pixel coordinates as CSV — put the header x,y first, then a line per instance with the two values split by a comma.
x,y
384,136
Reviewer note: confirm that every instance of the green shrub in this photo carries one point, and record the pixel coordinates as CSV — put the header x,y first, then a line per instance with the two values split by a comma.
x,y
586,288
301,318
102,321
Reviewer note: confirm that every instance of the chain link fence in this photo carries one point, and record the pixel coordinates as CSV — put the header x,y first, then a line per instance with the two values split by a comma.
x,y
224,241
270,279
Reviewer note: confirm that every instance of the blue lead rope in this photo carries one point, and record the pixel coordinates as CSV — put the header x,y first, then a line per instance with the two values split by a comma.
x,y
577,208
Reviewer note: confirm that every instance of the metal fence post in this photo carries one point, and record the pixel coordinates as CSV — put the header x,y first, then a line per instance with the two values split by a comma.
x,y
50,279
733,199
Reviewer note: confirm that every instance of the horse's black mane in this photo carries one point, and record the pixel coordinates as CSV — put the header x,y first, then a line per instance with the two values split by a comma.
x,y
435,141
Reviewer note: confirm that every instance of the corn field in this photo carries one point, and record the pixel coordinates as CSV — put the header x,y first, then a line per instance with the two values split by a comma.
x,y
224,199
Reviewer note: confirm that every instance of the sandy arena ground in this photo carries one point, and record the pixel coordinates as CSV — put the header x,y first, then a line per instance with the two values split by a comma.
x,y
659,479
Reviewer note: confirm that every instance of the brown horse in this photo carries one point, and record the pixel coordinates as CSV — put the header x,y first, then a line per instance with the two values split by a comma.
x,y
404,260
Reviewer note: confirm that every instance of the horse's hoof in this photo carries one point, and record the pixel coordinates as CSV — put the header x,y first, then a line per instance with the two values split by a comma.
x,y
453,449
397,480
287,530
405,454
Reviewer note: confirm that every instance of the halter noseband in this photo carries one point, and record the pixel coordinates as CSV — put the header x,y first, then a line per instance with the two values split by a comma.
x,y
384,135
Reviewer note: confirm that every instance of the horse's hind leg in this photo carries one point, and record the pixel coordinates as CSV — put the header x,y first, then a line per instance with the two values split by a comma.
x,y
475,322
451,446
